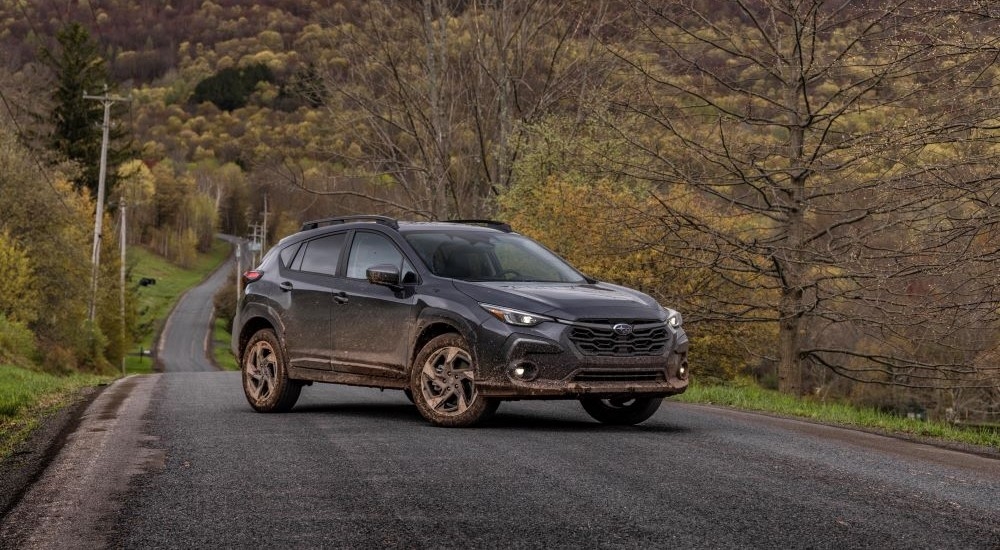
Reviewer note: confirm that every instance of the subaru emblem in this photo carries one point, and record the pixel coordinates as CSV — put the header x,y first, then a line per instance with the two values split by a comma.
x,y
622,329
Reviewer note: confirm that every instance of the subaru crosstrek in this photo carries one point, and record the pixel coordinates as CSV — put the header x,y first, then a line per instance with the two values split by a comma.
x,y
459,315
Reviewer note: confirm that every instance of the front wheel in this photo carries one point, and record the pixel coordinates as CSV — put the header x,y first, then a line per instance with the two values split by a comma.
x,y
443,384
265,375
621,411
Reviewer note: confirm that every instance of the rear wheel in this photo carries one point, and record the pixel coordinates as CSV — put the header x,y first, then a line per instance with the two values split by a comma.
x,y
622,411
443,384
265,375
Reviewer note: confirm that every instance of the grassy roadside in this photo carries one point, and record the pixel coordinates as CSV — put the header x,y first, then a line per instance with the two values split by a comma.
x,y
28,397
746,395
220,347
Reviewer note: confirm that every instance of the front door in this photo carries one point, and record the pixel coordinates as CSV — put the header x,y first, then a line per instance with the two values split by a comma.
x,y
373,324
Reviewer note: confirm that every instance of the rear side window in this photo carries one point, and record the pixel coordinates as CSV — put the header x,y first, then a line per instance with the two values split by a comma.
x,y
320,255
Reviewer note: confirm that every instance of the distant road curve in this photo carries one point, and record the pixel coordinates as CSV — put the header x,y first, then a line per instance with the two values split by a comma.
x,y
183,345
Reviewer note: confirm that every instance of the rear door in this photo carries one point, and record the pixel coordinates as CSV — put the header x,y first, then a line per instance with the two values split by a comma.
x,y
309,285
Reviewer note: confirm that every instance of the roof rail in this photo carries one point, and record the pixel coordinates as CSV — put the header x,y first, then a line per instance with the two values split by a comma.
x,y
383,220
502,226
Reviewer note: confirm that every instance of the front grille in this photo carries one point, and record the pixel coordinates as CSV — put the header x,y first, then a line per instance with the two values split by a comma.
x,y
620,376
596,337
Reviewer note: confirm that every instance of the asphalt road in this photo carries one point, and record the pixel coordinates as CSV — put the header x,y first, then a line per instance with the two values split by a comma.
x,y
179,460
360,468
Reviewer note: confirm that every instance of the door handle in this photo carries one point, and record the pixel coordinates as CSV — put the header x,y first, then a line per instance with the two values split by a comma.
x,y
285,285
340,297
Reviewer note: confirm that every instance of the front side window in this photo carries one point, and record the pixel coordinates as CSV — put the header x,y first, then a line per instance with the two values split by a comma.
x,y
487,256
371,249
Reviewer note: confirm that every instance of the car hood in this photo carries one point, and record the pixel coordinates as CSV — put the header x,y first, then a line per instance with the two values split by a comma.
x,y
568,301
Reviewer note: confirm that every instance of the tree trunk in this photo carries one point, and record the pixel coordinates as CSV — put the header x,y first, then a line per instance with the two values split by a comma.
x,y
789,365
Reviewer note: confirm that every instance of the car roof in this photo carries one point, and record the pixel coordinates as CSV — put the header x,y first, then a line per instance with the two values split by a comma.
x,y
385,221
386,224
447,226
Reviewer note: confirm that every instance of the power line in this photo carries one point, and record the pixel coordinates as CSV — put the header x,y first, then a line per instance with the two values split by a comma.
x,y
97,24
21,137
31,23
17,127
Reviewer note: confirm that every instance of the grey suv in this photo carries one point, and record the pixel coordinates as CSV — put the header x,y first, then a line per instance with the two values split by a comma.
x,y
459,315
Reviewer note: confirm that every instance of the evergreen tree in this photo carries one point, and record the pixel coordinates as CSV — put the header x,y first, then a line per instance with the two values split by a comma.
x,y
79,69
231,88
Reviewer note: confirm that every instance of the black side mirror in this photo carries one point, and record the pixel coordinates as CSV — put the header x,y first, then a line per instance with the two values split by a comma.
x,y
383,274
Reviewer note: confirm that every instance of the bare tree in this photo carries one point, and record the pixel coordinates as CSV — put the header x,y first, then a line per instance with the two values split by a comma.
x,y
440,93
837,163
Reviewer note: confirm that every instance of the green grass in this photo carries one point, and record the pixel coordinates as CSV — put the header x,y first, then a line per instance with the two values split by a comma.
x,y
156,301
746,395
28,397
220,347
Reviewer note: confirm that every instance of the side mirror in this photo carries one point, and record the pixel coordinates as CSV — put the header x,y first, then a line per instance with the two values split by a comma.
x,y
383,274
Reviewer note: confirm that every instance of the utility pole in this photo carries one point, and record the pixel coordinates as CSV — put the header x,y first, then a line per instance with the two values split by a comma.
x,y
239,271
254,243
263,236
121,297
107,101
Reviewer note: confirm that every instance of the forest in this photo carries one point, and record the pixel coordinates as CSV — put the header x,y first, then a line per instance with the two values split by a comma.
x,y
813,183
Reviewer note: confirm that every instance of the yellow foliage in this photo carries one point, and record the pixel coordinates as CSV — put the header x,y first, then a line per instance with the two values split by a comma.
x,y
19,301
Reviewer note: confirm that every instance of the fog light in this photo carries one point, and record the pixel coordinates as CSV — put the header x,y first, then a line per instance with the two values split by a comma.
x,y
682,371
524,371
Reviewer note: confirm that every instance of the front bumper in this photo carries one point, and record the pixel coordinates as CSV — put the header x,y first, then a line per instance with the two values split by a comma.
x,y
544,363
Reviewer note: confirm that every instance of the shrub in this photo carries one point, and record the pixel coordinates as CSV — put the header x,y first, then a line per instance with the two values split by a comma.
x,y
225,302
17,343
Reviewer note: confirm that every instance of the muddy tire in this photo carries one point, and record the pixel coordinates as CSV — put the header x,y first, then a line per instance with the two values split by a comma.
x,y
621,411
265,375
443,384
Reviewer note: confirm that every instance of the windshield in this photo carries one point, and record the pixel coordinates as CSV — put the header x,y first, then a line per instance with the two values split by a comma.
x,y
488,256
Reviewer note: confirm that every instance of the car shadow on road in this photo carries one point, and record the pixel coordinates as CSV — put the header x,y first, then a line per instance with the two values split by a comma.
x,y
404,413
533,422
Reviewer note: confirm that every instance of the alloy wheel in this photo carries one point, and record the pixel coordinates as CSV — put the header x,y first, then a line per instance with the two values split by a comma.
x,y
447,381
261,368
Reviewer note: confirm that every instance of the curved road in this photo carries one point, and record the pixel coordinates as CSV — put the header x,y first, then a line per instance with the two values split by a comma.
x,y
179,460
184,341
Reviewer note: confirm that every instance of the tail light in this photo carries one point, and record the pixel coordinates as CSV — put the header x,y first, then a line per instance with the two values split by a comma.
x,y
252,275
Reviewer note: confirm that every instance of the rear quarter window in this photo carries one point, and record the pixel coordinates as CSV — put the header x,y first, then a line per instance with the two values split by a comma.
x,y
320,255
288,254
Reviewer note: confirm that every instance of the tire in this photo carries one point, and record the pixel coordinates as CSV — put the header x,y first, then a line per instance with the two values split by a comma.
x,y
621,411
443,385
265,375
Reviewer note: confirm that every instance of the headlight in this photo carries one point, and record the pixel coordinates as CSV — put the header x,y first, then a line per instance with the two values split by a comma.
x,y
515,317
674,319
